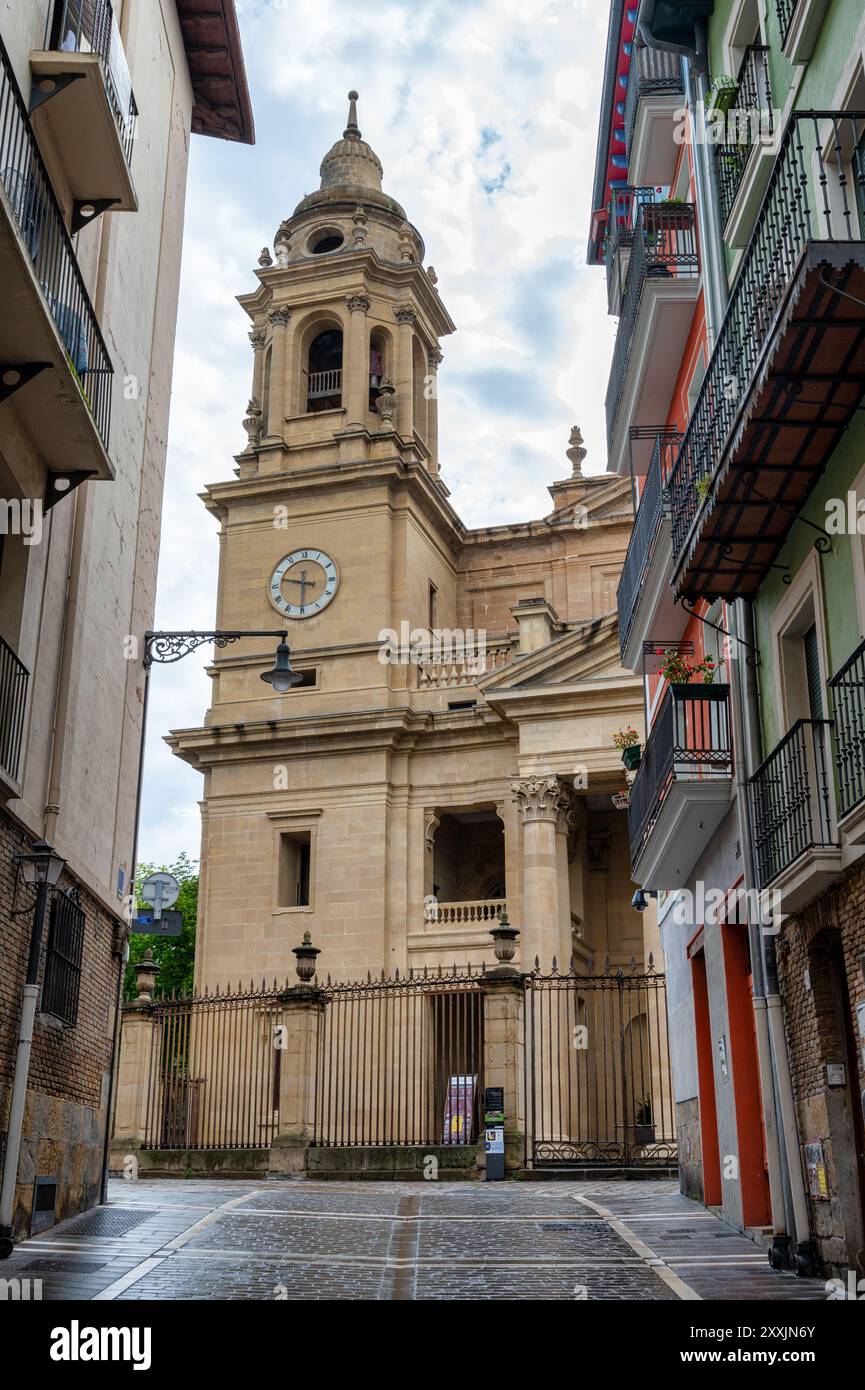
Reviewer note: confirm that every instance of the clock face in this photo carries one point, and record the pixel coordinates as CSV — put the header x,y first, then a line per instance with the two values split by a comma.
x,y
303,583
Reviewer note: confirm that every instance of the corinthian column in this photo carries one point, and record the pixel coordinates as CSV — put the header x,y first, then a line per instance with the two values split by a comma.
x,y
564,828
539,800
436,356
279,320
355,369
406,318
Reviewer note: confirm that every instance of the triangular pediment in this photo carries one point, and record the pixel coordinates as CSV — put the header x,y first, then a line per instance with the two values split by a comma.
x,y
588,651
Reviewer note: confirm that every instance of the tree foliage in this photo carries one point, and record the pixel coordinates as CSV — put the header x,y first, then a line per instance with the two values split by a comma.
x,y
175,955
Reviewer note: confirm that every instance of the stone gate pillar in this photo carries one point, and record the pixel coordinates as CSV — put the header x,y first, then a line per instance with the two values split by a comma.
x,y
298,1042
138,1050
504,1054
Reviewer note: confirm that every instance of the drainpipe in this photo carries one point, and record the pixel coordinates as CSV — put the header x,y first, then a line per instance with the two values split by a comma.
x,y
744,761
807,1262
711,223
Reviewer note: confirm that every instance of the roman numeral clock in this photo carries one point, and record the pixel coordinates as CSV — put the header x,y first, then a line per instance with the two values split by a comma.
x,y
303,583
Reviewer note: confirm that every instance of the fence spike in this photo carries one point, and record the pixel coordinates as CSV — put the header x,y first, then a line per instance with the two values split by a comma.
x,y
651,960
555,969
537,966
440,970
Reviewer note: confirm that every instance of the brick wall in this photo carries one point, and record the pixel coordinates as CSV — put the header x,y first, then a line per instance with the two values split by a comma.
x,y
820,968
64,1120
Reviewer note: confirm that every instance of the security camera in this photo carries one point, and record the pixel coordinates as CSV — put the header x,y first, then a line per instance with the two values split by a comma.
x,y
639,902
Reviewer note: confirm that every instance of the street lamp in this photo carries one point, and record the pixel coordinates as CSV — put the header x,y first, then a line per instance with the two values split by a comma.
x,y
40,869
281,677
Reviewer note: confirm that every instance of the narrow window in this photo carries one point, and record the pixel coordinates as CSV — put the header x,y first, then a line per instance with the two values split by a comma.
x,y
433,605
62,983
294,868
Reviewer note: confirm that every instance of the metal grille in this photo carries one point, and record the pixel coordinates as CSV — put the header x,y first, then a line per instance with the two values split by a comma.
x,y
690,740
748,122
786,10
90,26
664,247
810,197
400,1062
652,71
34,208
791,798
647,523
215,1072
848,696
14,680
598,1088
109,1221
62,983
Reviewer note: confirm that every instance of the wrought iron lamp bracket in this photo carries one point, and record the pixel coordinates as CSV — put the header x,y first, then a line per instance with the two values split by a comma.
x,y
753,657
171,646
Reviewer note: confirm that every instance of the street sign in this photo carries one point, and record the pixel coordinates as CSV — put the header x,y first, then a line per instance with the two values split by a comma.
x,y
161,890
144,923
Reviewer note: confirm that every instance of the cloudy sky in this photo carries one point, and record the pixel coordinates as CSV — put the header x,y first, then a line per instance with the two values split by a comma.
x,y
484,115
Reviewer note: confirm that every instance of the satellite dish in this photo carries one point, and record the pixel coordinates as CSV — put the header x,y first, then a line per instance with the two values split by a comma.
x,y
160,889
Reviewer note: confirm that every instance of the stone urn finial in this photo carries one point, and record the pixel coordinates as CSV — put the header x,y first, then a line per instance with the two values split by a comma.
x,y
576,452
504,938
265,259
252,422
146,971
305,955
385,402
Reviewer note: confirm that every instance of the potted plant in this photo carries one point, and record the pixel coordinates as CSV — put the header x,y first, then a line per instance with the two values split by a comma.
x,y
628,742
621,800
721,95
644,1129
677,670
702,487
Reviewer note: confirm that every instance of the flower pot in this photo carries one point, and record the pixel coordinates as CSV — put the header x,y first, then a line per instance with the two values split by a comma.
x,y
631,757
644,1134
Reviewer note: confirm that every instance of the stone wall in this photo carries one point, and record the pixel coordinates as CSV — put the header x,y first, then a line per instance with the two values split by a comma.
x,y
64,1121
820,964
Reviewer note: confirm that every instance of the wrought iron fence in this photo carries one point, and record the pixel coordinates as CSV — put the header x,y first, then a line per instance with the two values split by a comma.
x,y
14,681
647,523
653,70
400,1062
848,695
748,121
90,26
809,198
61,984
786,11
215,1071
664,247
792,800
690,741
598,1087
40,222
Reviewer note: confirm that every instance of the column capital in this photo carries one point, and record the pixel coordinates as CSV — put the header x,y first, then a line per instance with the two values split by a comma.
x,y
279,317
436,357
538,798
257,338
357,303
405,314
565,816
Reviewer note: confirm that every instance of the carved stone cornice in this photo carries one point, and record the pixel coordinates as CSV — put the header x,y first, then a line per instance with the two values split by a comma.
x,y
538,798
357,303
278,318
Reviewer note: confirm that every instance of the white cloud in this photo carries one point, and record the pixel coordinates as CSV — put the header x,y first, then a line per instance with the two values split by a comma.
x,y
433,75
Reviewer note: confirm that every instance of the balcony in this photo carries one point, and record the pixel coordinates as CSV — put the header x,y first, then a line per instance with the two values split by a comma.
x,y
644,597
655,94
848,699
454,926
82,106
14,680
796,850
743,162
463,667
800,22
324,389
621,222
657,307
55,371
681,792
787,372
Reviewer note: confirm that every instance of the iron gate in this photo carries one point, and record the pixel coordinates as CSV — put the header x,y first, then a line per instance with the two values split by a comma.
x,y
597,1070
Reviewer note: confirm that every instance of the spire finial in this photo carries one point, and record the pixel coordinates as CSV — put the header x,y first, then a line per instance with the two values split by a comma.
x,y
576,452
352,130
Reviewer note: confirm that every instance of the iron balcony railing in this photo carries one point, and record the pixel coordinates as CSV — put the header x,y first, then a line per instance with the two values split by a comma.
x,y
748,122
324,384
689,742
621,220
664,247
791,799
652,70
647,523
848,695
810,197
90,26
37,213
786,11
14,680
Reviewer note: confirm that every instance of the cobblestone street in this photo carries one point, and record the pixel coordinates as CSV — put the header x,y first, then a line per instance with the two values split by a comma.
x,y
175,1240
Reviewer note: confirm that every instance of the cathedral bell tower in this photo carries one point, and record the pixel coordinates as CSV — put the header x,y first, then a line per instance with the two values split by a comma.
x,y
346,327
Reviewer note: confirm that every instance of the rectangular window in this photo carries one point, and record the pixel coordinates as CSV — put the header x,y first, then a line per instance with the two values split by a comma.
x,y
433,605
295,857
62,983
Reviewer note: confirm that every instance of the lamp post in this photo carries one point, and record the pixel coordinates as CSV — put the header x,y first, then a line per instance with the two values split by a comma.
x,y
40,869
164,648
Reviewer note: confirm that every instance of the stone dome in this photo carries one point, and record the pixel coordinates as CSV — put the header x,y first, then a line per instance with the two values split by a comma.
x,y
351,171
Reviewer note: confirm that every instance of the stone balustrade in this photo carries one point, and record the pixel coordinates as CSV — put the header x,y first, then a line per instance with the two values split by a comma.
x,y
465,913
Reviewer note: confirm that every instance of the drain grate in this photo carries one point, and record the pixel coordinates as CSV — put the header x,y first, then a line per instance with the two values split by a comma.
x,y
108,1221
588,1227
40,1268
